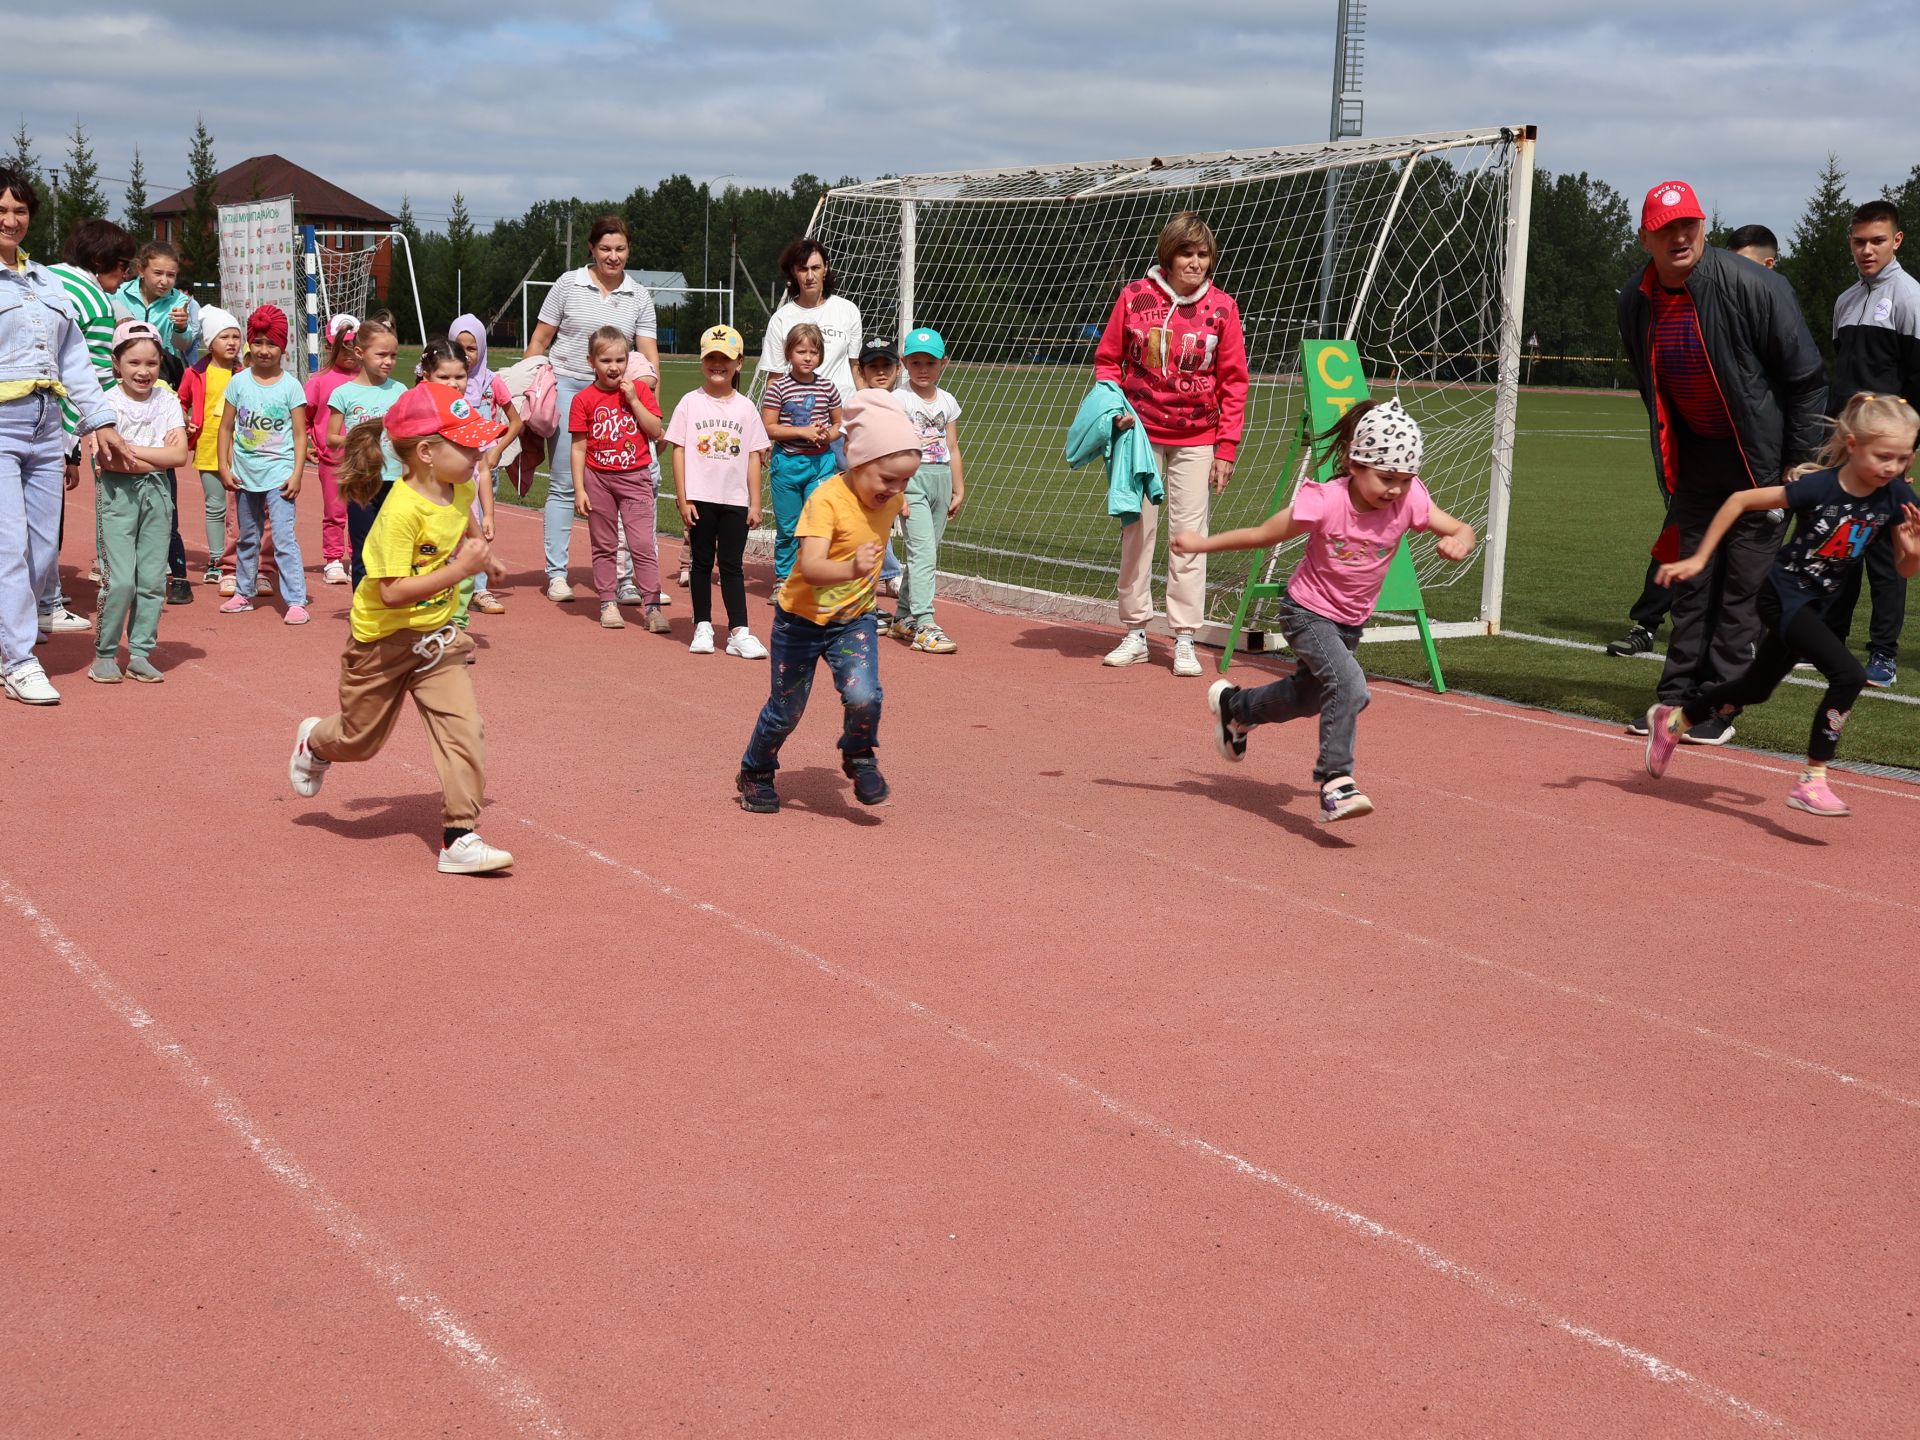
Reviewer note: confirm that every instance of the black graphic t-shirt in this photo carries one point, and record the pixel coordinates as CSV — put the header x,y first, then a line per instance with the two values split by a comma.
x,y
1831,533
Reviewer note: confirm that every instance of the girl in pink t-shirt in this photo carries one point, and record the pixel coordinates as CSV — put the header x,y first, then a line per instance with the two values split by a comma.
x,y
1353,524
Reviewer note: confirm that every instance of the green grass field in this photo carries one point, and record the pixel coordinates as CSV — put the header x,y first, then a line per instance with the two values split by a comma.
x,y
1583,513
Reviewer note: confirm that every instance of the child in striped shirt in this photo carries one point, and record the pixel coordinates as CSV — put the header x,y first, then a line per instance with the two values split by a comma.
x,y
801,411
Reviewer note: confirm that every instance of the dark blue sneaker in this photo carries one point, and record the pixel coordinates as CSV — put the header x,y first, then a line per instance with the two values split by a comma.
x,y
869,785
1882,670
756,791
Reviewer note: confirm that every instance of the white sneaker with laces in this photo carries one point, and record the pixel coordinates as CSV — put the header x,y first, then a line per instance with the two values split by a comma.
x,y
470,855
558,590
1185,661
702,639
1132,650
741,642
306,770
29,685
335,573
64,621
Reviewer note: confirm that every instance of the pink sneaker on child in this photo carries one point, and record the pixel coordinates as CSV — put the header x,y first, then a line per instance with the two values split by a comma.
x,y
296,615
1816,798
238,605
1661,741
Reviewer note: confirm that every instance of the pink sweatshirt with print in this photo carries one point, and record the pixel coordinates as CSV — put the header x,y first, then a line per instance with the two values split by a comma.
x,y
1181,361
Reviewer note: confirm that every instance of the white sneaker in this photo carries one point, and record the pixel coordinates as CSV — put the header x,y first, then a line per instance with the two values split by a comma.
x,y
558,589
335,573
1185,661
29,685
64,621
470,855
628,593
741,642
306,770
1132,650
703,640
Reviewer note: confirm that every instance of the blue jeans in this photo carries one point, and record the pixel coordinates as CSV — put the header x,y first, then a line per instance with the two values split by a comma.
x,y
557,517
257,508
852,652
32,465
795,477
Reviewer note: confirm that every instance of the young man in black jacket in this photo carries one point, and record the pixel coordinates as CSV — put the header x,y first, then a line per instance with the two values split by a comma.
x,y
1735,394
1876,348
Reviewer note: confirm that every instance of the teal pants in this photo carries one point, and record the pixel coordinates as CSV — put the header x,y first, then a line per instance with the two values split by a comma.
x,y
133,525
794,478
929,493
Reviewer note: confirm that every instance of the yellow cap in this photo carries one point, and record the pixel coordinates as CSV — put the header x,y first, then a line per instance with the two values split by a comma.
x,y
722,340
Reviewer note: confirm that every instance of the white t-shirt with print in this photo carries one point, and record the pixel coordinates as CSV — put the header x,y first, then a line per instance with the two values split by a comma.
x,y
931,418
146,422
839,322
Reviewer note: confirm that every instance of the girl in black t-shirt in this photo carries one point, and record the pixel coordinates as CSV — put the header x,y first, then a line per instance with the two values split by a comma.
x,y
1841,504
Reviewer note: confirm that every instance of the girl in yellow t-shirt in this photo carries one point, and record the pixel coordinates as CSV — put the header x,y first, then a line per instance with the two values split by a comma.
x,y
422,545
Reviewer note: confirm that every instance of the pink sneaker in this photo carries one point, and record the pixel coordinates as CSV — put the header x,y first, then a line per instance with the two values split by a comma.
x,y
1814,797
297,615
238,605
1661,741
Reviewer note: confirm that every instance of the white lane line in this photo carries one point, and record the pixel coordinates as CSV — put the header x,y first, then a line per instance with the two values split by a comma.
x,y
503,1384
1485,1286
1485,962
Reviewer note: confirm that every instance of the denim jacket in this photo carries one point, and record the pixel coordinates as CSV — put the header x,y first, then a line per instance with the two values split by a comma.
x,y
40,341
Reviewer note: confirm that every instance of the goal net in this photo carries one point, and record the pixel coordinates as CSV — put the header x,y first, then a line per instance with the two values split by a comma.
x,y
346,277
1412,247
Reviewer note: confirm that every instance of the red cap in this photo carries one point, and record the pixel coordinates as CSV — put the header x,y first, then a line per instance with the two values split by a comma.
x,y
1668,201
431,409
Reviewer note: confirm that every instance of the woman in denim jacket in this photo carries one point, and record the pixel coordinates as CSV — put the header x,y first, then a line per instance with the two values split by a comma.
x,y
42,357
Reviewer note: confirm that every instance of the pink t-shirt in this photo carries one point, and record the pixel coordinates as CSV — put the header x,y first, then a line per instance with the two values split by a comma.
x,y
1348,549
717,436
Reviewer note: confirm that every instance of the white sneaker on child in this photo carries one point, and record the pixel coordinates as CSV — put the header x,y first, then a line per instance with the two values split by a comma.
x,y
28,684
741,642
306,770
335,573
702,639
470,855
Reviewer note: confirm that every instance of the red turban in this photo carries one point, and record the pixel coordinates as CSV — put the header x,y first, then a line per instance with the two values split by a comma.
x,y
268,323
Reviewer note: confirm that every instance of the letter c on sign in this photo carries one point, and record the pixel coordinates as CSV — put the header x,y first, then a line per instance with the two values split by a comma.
x,y
1343,383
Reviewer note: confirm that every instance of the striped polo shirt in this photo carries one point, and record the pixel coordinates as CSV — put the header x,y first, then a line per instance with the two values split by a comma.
x,y
94,314
577,306
1680,366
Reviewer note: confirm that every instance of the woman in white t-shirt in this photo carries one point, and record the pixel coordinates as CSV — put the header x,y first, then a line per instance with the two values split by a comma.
x,y
581,301
810,300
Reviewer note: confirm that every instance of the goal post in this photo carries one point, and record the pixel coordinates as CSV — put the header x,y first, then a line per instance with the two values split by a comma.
x,y
1019,269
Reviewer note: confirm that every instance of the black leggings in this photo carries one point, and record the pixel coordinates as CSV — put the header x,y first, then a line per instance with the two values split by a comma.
x,y
718,531
1806,636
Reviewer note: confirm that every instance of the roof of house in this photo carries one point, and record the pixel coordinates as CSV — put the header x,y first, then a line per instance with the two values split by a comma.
x,y
265,176
668,287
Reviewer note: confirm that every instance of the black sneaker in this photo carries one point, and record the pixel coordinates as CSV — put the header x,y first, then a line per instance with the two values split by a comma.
x,y
1714,730
757,794
1637,726
869,785
1228,738
1637,641
179,590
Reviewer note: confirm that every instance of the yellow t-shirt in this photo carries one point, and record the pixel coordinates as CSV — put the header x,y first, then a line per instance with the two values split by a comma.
x,y
835,512
206,451
411,536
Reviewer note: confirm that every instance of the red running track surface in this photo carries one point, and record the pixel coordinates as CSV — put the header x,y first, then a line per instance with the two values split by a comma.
x,y
1089,1088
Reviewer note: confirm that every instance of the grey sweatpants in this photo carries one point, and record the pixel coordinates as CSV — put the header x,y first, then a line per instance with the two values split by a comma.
x,y
1329,683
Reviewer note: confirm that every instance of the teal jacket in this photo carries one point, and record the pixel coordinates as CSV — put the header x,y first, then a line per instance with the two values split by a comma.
x,y
1132,472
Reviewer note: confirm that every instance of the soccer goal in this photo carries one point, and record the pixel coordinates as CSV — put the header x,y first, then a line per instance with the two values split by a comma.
x,y
1413,247
338,277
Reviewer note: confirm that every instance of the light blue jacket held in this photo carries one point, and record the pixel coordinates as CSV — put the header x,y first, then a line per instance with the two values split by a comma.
x,y
39,340
1132,471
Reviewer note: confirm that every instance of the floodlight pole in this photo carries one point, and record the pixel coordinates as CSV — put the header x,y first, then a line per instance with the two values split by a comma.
x,y
1343,120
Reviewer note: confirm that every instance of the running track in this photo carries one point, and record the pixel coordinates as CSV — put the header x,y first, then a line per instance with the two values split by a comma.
x,y
1087,1089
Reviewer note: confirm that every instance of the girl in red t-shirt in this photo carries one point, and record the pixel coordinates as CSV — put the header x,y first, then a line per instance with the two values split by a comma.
x,y
613,423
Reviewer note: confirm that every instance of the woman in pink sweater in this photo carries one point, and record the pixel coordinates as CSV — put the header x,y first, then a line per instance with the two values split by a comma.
x,y
1175,348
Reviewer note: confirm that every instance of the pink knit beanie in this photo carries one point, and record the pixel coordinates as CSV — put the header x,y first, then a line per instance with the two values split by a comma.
x,y
876,426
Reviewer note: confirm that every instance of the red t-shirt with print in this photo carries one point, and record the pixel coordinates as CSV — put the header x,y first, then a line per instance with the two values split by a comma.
x,y
614,439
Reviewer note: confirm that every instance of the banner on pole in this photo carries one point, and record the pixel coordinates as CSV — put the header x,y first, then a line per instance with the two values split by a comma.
x,y
259,259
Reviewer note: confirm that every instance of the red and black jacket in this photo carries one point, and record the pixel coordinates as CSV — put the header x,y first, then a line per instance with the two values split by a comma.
x,y
1762,357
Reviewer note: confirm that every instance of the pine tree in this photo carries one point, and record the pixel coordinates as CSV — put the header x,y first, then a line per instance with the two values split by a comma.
x,y
1821,262
80,194
1906,195
138,222
459,252
39,242
200,237
408,226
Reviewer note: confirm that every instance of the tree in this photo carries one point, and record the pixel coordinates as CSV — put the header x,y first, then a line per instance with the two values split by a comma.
x,y
80,194
1820,264
459,258
200,237
139,223
1906,196
39,234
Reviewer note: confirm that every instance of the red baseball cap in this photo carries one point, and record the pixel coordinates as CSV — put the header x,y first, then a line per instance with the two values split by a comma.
x,y
1668,201
431,409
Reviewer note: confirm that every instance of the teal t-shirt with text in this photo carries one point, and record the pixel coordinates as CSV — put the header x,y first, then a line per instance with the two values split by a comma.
x,y
263,428
357,403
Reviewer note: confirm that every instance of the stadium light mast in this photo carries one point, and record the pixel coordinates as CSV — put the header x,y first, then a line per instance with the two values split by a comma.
x,y
1343,122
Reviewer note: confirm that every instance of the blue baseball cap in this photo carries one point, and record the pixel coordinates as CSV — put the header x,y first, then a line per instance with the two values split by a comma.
x,y
925,342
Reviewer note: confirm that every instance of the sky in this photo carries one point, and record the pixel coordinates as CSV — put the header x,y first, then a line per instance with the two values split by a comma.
x,y
508,106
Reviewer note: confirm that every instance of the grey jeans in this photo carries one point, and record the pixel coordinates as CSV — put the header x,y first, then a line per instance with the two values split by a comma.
x,y
1329,683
